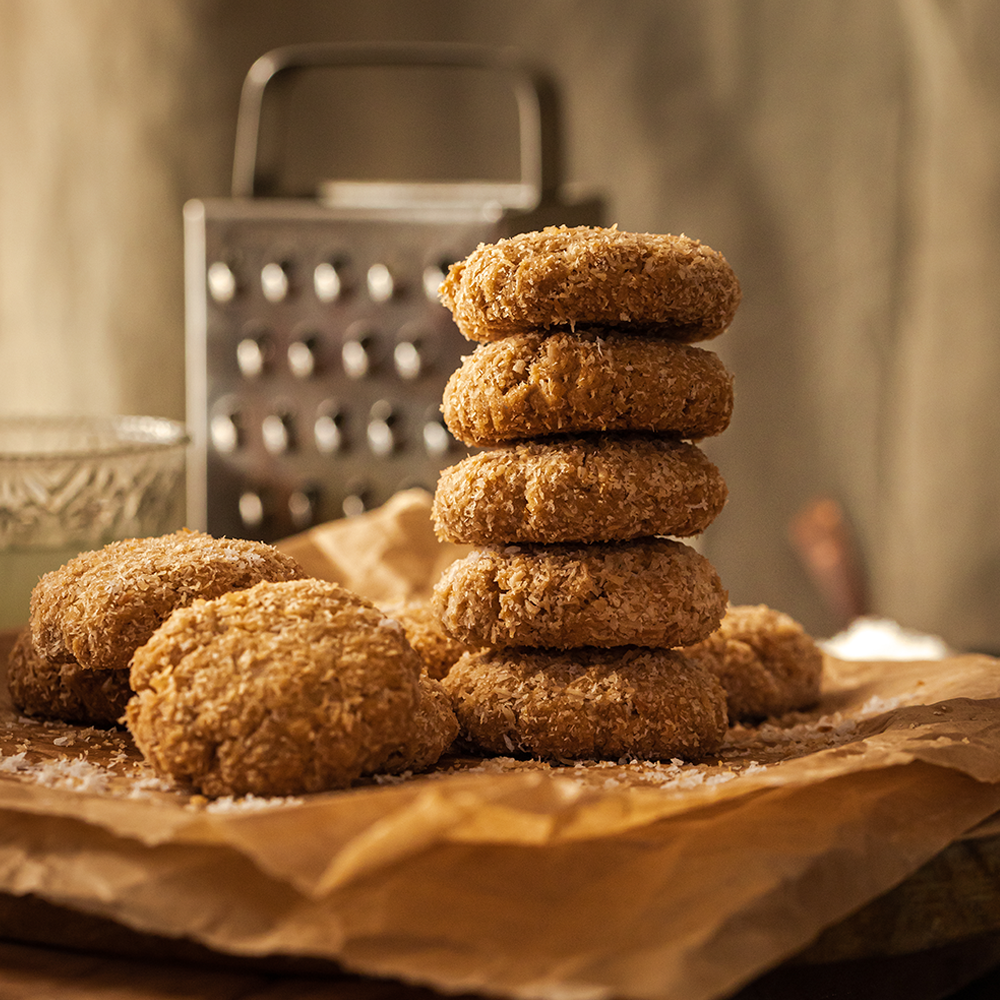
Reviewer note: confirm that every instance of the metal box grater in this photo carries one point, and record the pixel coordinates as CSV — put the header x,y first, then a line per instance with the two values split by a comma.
x,y
317,348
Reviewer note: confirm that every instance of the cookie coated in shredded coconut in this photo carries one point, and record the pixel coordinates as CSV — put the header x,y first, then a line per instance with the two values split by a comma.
x,y
432,731
100,606
64,691
766,661
602,488
669,286
280,689
437,647
654,592
534,385
588,703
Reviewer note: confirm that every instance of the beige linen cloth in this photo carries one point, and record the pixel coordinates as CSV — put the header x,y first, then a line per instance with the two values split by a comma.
x,y
516,878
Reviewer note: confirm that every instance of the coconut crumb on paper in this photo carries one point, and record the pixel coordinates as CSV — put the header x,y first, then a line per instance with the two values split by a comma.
x,y
69,772
79,774
102,762
673,775
246,803
81,759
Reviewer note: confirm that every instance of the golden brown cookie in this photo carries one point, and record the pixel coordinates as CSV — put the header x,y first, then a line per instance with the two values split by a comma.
x,y
765,660
531,385
585,704
280,689
668,286
654,592
64,691
428,636
605,488
432,732
100,606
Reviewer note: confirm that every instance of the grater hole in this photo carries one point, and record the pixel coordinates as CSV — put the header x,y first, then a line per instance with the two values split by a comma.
x,y
328,432
277,433
408,359
381,284
382,430
251,509
252,355
433,276
437,439
302,357
302,508
356,356
221,282
225,432
328,281
275,282
357,500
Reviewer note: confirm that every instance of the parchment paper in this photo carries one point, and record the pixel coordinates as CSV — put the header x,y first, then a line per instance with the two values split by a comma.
x,y
623,879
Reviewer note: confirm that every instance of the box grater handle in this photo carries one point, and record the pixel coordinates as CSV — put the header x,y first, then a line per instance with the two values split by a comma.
x,y
535,92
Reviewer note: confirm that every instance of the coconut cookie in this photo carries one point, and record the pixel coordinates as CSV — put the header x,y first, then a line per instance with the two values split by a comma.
x,y
426,633
64,691
653,704
100,606
280,689
765,660
532,385
668,286
433,730
606,488
655,592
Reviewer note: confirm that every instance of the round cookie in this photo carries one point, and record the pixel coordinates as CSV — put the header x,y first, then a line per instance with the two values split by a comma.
x,y
584,704
765,660
428,636
100,606
605,488
281,689
668,286
64,691
530,385
433,730
655,592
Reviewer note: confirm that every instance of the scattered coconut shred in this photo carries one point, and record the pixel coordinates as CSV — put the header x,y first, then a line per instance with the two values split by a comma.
x,y
76,758
106,762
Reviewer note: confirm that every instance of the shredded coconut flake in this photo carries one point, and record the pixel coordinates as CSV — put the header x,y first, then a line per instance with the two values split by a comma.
x,y
15,764
882,639
76,773
250,803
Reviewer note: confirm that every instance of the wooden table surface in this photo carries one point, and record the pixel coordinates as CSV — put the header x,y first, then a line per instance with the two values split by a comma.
x,y
969,970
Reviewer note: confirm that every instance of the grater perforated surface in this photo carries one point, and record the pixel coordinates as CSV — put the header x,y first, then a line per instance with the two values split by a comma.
x,y
317,347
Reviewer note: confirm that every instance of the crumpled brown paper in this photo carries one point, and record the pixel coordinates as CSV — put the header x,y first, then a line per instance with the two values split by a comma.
x,y
390,554
517,878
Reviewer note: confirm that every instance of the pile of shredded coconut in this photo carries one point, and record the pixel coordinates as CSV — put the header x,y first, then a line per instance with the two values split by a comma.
x,y
881,639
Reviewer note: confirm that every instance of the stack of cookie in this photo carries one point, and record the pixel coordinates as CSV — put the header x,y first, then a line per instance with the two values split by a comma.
x,y
586,396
